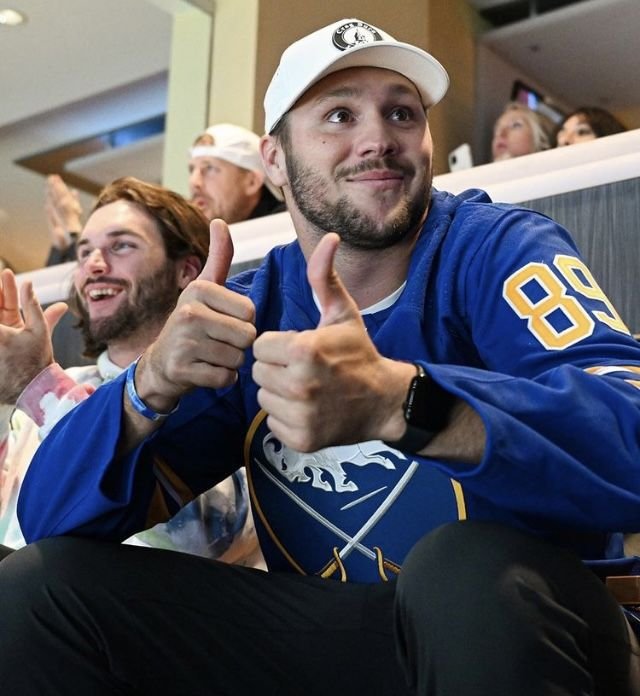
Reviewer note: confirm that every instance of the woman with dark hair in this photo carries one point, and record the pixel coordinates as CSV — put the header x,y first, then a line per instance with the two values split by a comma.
x,y
587,123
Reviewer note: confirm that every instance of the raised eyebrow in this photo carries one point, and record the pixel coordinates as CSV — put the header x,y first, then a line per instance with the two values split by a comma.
x,y
337,93
396,90
112,234
402,90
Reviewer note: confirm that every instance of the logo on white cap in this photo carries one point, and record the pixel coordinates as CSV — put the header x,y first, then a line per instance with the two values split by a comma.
x,y
354,34
348,43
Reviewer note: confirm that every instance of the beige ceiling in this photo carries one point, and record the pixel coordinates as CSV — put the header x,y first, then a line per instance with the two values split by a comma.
x,y
75,69
80,67
585,53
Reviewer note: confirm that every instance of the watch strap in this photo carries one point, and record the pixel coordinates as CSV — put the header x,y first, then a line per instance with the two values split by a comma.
x,y
426,412
414,439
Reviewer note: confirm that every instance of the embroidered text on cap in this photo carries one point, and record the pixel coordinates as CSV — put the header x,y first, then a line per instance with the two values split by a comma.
x,y
353,34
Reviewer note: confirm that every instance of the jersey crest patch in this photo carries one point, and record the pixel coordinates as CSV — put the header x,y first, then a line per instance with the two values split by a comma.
x,y
352,512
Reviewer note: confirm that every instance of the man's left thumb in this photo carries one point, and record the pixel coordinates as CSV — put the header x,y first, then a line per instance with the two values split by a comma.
x,y
336,305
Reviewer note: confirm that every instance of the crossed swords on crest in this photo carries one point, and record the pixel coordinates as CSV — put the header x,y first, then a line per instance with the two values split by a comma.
x,y
353,542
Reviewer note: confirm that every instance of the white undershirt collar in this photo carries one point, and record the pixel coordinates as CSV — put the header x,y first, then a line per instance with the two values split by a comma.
x,y
108,370
384,303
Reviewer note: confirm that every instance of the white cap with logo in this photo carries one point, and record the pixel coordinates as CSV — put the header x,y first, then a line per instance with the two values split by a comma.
x,y
349,43
238,146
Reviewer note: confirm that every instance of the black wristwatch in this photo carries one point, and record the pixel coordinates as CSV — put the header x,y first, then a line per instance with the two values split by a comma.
x,y
426,412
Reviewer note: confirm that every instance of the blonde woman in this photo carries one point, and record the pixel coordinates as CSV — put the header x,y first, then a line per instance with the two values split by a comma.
x,y
519,131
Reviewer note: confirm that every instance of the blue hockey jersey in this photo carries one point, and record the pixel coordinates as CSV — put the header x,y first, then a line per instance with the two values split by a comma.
x,y
501,311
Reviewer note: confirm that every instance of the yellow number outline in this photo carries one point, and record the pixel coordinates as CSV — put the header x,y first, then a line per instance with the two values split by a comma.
x,y
581,325
556,298
568,265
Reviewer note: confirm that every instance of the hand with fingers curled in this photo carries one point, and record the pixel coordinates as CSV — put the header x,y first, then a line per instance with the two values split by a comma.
x,y
25,337
204,339
330,385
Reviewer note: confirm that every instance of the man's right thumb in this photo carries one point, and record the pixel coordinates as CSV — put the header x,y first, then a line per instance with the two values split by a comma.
x,y
216,269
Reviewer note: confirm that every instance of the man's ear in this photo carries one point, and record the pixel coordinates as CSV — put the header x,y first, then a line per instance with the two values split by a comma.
x,y
273,160
187,269
253,182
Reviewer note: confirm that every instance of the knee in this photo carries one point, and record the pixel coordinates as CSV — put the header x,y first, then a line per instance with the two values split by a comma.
x,y
462,556
24,589
20,570
49,562
446,553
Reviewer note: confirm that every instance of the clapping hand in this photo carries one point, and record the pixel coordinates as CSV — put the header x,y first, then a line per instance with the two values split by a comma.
x,y
63,211
25,338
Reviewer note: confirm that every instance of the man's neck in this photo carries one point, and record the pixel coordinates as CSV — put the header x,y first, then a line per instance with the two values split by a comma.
x,y
372,275
245,212
369,275
123,352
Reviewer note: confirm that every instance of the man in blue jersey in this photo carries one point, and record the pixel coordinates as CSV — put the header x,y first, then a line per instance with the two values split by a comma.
x,y
438,409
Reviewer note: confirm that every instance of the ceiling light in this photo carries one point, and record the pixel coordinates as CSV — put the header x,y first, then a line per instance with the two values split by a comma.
x,y
11,18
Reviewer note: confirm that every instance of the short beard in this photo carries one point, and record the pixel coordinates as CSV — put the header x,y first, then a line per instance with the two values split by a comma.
x,y
155,297
356,229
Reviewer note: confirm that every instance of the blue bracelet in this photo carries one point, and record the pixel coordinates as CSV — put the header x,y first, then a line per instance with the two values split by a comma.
x,y
138,404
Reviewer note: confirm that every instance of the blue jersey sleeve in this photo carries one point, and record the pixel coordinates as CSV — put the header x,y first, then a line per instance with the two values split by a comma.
x,y
555,377
77,482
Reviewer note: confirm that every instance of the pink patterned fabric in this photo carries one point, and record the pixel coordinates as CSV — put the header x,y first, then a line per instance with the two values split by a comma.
x,y
50,395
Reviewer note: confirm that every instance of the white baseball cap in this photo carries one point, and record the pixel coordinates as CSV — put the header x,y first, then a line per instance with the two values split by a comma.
x,y
349,43
238,146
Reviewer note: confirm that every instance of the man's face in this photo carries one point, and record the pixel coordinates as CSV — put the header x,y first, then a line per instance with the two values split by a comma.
x,y
124,280
358,156
221,189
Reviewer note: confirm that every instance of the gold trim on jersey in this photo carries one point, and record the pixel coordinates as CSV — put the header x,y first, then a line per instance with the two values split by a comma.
x,y
460,503
168,484
336,564
157,511
608,369
257,421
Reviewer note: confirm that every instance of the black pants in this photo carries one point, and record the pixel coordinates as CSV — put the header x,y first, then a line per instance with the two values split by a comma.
x,y
478,610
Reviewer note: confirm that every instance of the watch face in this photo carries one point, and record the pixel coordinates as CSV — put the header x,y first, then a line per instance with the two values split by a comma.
x,y
416,407
428,405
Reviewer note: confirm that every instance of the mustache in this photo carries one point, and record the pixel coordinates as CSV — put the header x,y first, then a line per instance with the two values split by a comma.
x,y
391,163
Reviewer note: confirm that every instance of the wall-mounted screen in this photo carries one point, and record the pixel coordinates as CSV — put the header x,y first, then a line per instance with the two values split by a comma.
x,y
525,94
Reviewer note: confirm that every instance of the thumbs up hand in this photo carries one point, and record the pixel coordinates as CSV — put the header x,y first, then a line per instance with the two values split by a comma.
x,y
336,305
218,263
25,338
329,386
203,341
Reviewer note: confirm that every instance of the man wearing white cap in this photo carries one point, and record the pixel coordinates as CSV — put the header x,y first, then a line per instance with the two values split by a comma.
x,y
438,411
226,175
226,180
